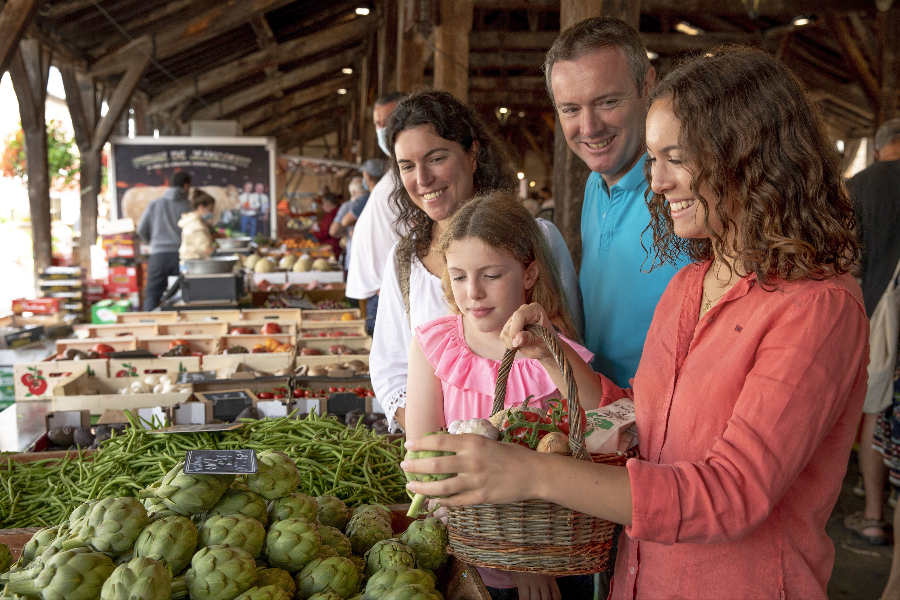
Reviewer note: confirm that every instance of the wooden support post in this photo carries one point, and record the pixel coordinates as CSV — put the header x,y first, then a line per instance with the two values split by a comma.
x,y
15,19
411,56
29,70
451,37
362,116
93,131
387,49
889,33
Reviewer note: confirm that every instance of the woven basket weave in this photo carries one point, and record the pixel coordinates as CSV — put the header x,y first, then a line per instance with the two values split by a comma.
x,y
534,535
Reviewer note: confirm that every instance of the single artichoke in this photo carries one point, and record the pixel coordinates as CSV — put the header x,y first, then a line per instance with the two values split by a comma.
x,y
336,575
140,579
396,576
388,553
279,577
220,573
269,592
79,513
412,592
333,537
428,539
239,499
69,575
37,544
295,506
415,508
170,540
379,509
112,525
188,494
5,558
233,530
333,512
292,543
364,531
277,476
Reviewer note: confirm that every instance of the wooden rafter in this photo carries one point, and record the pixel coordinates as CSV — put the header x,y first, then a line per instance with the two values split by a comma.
x,y
241,68
768,8
858,65
295,118
278,108
15,19
282,81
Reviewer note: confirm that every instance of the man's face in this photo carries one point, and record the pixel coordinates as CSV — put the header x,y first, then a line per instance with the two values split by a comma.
x,y
889,152
381,113
601,110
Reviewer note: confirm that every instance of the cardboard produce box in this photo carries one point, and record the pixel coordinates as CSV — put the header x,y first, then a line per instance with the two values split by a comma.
x,y
36,381
224,315
147,317
119,344
141,367
207,344
37,306
108,311
138,330
214,328
98,394
271,314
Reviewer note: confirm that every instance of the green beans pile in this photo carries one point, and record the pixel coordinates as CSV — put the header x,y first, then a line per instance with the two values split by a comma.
x,y
355,465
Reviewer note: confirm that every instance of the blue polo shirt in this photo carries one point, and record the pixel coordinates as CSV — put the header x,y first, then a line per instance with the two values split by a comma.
x,y
619,295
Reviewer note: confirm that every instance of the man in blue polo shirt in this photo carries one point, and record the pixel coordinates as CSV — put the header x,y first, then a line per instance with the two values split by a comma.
x,y
598,76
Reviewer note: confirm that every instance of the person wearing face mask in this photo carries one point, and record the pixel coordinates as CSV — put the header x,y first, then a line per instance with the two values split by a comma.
x,y
196,232
375,231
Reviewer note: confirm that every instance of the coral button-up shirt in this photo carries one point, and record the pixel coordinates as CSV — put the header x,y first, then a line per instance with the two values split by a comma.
x,y
745,421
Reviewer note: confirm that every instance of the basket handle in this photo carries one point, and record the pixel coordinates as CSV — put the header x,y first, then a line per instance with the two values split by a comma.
x,y
576,433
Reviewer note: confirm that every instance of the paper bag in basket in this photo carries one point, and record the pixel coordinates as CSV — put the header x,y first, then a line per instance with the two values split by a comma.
x,y
611,428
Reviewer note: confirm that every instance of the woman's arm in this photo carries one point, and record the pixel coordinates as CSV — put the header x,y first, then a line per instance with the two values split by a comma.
x,y
388,360
424,397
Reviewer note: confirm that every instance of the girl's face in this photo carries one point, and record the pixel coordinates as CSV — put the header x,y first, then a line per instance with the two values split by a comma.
x,y
672,178
438,174
488,284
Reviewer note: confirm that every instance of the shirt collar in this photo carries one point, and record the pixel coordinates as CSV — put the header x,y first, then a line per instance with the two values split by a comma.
x,y
632,180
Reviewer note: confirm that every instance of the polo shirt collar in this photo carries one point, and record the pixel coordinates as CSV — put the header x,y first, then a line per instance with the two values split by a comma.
x,y
632,180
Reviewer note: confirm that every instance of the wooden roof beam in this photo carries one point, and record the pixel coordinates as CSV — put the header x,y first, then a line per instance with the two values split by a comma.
x,y
15,19
770,8
121,59
278,108
307,112
239,69
857,62
311,131
281,81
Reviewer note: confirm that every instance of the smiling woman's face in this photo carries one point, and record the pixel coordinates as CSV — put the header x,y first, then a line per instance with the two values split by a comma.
x,y
438,174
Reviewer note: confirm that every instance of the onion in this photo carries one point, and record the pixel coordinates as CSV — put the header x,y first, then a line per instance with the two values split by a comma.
x,y
151,380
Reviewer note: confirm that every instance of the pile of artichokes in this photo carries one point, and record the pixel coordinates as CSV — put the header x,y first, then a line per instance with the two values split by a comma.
x,y
218,537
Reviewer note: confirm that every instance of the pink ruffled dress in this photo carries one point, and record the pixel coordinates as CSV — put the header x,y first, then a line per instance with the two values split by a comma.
x,y
468,381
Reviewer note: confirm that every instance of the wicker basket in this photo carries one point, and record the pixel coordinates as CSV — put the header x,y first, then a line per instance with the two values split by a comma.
x,y
534,535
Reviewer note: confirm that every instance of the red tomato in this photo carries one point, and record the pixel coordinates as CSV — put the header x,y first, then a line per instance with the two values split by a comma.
x,y
323,334
280,396
370,393
270,328
531,417
342,389
333,389
172,344
564,422
242,331
265,395
105,349
298,393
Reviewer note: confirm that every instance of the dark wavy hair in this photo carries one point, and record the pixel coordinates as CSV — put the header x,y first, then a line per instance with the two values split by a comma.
x,y
498,220
749,132
452,120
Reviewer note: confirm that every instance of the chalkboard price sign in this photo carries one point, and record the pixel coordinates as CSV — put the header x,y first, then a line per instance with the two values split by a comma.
x,y
196,377
220,462
228,404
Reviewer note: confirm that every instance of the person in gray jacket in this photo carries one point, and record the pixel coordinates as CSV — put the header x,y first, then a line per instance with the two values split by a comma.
x,y
159,228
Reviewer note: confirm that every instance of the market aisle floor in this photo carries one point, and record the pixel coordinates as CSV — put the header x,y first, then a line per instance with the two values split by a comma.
x,y
860,570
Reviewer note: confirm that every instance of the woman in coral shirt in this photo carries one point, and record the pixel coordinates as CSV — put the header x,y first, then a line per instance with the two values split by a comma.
x,y
754,370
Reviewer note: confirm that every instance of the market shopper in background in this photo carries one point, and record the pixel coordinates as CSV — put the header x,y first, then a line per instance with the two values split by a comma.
x,y
876,193
765,334
196,232
249,202
358,194
321,228
159,228
375,231
599,76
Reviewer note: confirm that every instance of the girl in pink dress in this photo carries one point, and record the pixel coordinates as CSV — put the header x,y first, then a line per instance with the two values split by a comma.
x,y
496,259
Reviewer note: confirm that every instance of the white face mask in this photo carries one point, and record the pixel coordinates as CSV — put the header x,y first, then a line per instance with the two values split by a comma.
x,y
382,140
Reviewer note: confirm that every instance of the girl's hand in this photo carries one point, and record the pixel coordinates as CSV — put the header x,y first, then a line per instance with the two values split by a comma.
x,y
515,337
534,586
440,513
486,471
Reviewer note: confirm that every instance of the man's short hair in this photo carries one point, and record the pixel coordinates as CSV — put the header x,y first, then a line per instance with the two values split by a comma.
x,y
390,98
181,178
356,187
591,35
887,134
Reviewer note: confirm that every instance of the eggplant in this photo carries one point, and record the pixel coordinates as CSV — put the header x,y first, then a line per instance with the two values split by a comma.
x,y
235,350
83,436
62,436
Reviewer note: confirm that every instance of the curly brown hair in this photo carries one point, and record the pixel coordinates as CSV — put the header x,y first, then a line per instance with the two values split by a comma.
x,y
749,132
455,121
499,221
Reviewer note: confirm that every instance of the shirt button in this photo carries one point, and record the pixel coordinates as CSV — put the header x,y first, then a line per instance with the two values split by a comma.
x,y
632,570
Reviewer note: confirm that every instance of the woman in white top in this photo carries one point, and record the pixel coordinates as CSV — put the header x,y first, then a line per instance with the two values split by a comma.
x,y
444,154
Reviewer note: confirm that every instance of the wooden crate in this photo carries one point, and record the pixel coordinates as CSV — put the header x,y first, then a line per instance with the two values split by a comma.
x,y
119,343
224,315
207,344
141,367
97,394
214,328
116,329
330,315
271,314
147,317
287,327
248,341
324,344
53,372
265,362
